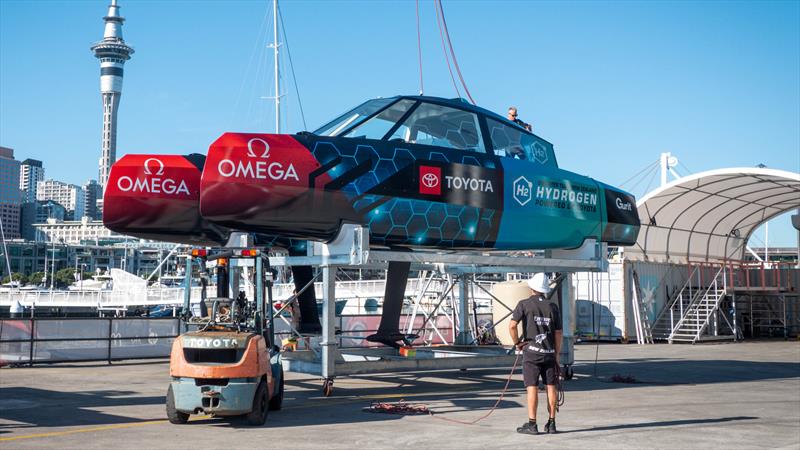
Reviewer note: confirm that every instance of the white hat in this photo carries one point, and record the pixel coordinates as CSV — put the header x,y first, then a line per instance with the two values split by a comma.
x,y
539,283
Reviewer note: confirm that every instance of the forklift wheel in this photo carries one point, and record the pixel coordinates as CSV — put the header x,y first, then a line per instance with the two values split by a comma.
x,y
277,400
327,387
173,414
258,415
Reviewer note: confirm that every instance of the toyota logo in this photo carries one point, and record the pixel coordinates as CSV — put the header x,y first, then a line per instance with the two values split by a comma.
x,y
430,180
159,168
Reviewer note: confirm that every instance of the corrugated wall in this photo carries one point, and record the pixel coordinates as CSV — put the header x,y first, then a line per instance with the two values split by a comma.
x,y
658,282
600,310
603,301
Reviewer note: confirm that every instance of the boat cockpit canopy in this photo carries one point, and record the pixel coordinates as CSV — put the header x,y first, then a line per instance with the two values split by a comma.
x,y
439,122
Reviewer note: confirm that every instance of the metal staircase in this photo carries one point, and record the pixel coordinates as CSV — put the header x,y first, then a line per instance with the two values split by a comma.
x,y
674,309
697,318
691,312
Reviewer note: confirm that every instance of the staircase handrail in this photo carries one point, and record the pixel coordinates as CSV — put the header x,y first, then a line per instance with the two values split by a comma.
x,y
668,306
696,300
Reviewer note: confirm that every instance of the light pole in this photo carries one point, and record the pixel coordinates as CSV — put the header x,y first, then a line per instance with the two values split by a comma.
x,y
52,264
796,225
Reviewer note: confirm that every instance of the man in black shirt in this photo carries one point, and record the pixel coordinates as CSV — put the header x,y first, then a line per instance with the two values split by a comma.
x,y
514,117
540,345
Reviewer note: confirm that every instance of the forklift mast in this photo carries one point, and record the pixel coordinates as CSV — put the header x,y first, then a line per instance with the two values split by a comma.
x,y
232,266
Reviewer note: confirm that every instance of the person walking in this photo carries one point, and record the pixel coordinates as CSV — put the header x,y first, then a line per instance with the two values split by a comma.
x,y
540,346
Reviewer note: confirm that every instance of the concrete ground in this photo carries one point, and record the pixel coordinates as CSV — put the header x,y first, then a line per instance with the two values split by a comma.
x,y
744,395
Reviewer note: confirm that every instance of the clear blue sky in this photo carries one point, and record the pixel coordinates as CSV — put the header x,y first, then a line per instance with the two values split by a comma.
x,y
611,84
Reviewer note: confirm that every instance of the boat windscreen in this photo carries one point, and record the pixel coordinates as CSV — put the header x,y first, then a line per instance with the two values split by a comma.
x,y
378,125
353,117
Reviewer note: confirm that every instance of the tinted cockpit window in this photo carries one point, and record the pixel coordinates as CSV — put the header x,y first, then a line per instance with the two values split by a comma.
x,y
510,141
379,125
432,124
353,117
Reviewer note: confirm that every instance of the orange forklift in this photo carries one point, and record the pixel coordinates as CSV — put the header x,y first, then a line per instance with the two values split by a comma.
x,y
228,365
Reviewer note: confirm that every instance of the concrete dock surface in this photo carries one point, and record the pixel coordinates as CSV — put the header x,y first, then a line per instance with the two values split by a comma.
x,y
731,395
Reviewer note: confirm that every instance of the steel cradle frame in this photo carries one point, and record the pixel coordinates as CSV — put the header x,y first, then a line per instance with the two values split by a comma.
x,y
351,250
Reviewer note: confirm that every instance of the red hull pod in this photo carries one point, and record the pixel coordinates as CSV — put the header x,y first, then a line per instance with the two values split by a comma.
x,y
156,197
263,179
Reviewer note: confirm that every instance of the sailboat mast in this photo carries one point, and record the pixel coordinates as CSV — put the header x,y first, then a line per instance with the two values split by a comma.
x,y
277,78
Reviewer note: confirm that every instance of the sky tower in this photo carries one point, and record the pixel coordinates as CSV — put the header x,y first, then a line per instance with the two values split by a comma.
x,y
112,52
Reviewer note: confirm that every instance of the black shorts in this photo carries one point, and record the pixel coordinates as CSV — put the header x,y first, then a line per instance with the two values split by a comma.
x,y
532,371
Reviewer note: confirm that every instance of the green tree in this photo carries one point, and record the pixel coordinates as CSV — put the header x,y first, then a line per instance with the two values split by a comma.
x,y
65,277
36,278
16,276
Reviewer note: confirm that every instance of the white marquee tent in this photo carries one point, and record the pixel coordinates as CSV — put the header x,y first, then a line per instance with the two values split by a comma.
x,y
710,216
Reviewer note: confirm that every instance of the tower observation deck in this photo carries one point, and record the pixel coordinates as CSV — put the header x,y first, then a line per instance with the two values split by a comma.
x,y
112,52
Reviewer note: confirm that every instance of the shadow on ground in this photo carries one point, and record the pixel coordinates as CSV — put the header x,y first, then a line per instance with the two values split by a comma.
x,y
646,372
444,392
665,423
46,408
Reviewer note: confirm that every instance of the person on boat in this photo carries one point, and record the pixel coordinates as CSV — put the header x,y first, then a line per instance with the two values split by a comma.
x,y
540,346
514,117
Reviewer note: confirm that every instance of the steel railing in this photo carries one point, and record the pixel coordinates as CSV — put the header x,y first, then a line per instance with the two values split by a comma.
x,y
28,341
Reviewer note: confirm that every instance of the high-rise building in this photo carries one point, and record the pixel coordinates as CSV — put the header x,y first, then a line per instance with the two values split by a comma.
x,y
112,53
67,195
10,196
31,172
92,192
39,212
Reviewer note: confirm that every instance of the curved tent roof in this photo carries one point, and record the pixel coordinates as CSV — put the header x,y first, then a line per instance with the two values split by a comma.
x,y
710,216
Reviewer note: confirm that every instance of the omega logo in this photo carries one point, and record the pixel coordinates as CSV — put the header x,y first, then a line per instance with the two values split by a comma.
x,y
252,153
160,164
154,184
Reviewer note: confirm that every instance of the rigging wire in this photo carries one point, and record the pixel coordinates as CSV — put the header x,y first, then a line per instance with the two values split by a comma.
x,y
758,239
647,189
419,51
452,52
444,49
256,46
653,170
260,114
647,167
291,66
688,171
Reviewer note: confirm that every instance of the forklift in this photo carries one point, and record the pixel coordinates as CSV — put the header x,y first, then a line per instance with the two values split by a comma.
x,y
228,364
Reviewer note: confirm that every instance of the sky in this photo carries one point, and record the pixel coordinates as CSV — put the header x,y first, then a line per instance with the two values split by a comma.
x,y
610,84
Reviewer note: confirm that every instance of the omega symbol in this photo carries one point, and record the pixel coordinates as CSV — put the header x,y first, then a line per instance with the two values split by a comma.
x,y
147,165
252,153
